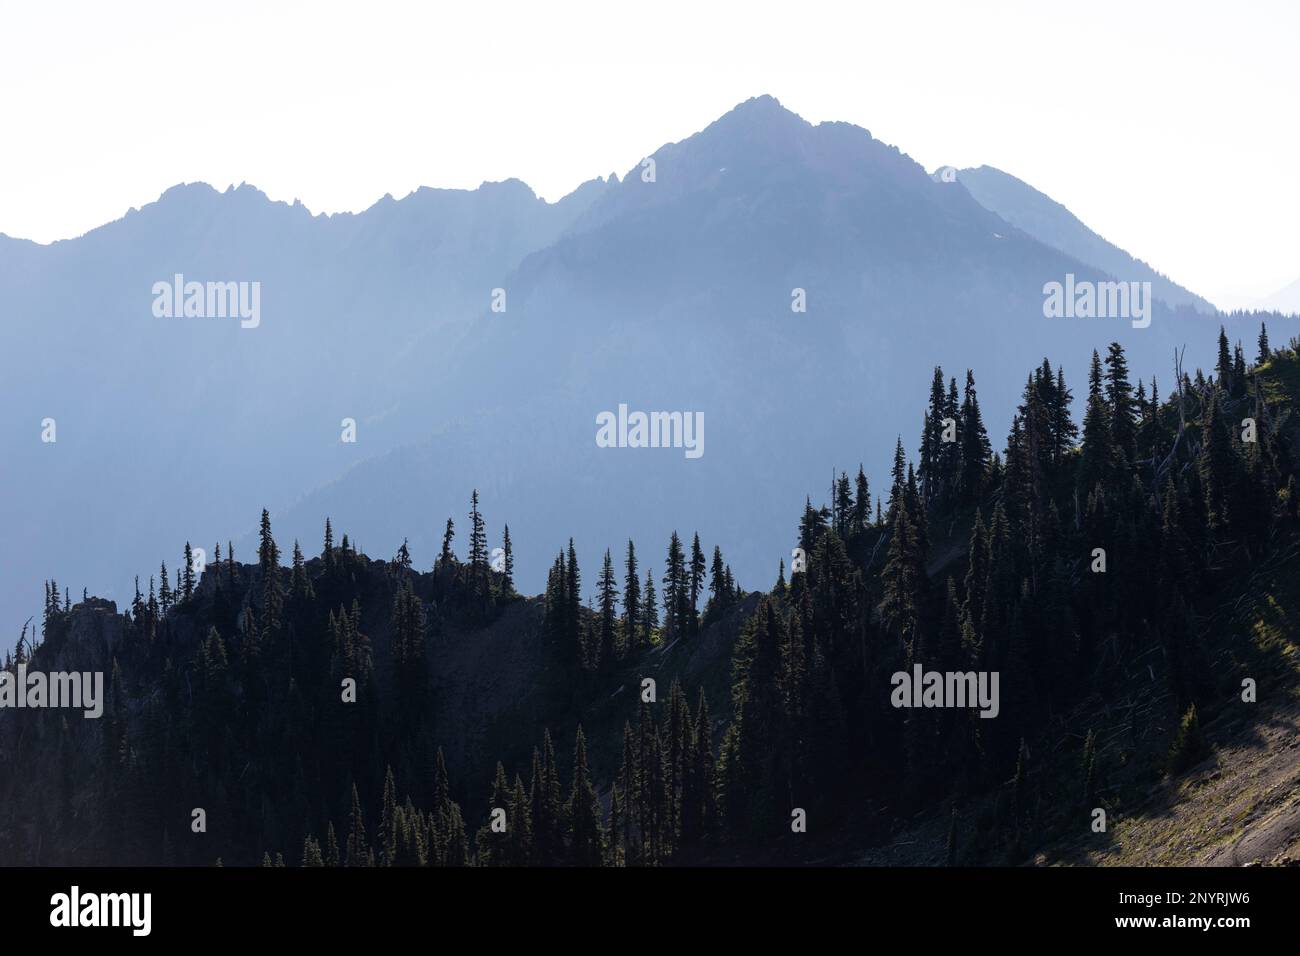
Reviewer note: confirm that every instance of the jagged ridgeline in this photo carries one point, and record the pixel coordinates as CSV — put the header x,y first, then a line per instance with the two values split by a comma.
x,y
351,711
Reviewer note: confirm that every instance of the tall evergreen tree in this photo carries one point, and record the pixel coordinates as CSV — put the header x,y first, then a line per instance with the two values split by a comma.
x,y
268,559
187,578
586,836
508,565
477,538
631,600
1098,447
608,595
447,557
1223,366
861,519
676,591
1119,398
931,438
358,849
649,619
697,568
164,589
976,452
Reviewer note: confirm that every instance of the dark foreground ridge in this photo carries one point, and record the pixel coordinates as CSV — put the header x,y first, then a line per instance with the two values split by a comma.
x,y
1123,595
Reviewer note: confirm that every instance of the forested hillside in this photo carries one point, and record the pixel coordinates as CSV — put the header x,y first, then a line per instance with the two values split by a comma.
x,y
1123,576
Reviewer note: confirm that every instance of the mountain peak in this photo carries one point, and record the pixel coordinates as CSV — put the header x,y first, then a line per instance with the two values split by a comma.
x,y
762,102
510,187
764,111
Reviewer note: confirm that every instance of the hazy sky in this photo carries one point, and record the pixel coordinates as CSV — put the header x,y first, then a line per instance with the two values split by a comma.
x,y
1170,128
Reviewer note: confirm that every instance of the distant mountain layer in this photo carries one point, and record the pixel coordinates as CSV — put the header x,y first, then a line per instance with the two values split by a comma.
x,y
1052,224
473,337
1284,300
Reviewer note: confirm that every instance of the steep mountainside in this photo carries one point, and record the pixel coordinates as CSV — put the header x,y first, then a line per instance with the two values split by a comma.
x,y
1052,224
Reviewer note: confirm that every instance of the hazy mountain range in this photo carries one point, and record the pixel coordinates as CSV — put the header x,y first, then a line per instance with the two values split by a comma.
x,y
1283,300
665,295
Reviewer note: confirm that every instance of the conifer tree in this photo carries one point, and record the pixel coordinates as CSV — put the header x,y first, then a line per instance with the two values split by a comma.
x,y
1064,430
447,557
520,844
1189,746
1098,453
311,852
457,841
187,578
897,484
931,437
1119,398
719,596
547,806
586,836
332,857
1238,371
697,568
843,506
903,576
861,519
358,850
268,559
976,451
164,589
1223,367
629,781
749,765
573,603
812,526
704,768
649,611
508,568
388,821
950,451
631,601
300,585
614,845
477,539
493,845
608,594
408,654
1216,464
676,590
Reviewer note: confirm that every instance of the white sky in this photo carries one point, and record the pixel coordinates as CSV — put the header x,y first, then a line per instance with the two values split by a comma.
x,y
1170,128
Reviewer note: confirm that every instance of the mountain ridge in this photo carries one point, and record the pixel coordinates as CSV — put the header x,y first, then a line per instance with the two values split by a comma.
x,y
1050,222
671,294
